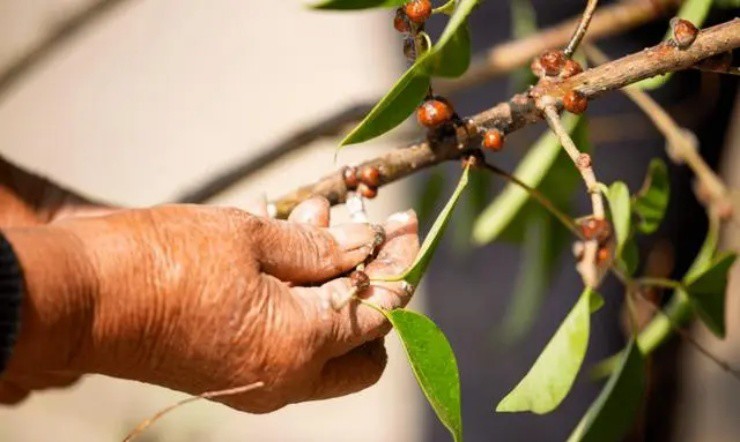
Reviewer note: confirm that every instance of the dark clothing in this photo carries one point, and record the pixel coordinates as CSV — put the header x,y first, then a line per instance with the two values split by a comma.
x,y
11,294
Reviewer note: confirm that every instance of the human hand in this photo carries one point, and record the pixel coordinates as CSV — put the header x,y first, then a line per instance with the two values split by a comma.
x,y
201,298
27,199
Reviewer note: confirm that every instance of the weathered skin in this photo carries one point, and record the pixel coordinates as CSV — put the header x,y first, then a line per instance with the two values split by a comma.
x,y
199,298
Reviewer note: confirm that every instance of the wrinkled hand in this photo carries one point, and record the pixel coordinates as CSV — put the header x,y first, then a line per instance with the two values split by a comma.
x,y
27,199
199,298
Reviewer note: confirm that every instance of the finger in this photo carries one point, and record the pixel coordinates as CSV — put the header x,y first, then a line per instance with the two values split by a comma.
x,y
11,394
257,206
305,254
355,323
352,372
313,211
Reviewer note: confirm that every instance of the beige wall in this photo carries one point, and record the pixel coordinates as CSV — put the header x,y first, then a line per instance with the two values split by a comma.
x,y
159,95
710,397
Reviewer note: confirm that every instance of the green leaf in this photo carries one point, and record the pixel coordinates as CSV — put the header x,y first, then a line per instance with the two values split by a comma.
x,y
476,198
651,201
451,59
532,278
678,311
433,363
357,4
523,18
531,170
431,192
414,273
619,205
696,12
544,239
450,55
523,24
612,414
707,292
553,373
394,108
630,258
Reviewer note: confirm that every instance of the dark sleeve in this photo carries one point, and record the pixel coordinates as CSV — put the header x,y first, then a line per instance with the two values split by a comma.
x,y
11,294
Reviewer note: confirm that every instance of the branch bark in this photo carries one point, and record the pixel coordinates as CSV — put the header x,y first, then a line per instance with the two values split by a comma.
x,y
523,109
501,59
607,21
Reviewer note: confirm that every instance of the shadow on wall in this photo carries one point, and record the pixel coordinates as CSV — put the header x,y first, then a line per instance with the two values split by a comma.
x,y
156,97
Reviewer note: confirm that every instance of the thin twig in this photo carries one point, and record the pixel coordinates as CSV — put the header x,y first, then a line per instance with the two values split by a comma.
x,y
582,161
632,286
607,21
207,395
580,31
501,59
588,266
564,219
60,34
682,146
690,339
523,109
729,70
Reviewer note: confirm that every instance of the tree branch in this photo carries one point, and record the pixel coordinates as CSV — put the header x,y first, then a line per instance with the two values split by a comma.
x,y
682,146
60,34
523,109
502,58
580,31
607,21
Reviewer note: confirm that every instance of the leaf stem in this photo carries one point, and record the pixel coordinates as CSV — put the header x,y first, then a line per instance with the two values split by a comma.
x,y
735,373
582,161
588,266
581,29
659,282
568,222
447,9
682,146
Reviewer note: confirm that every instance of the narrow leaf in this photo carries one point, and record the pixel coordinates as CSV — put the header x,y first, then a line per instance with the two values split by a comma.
x,y
476,198
678,310
523,24
434,365
453,58
532,278
707,292
450,55
414,274
696,12
429,196
553,373
394,108
630,258
619,205
651,201
612,414
531,170
357,4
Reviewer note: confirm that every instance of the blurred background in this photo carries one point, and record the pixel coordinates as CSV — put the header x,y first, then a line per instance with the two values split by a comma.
x,y
155,96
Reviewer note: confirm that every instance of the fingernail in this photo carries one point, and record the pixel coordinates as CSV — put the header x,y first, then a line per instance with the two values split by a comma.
x,y
406,217
353,235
